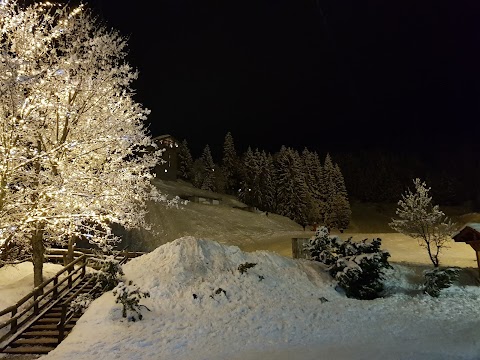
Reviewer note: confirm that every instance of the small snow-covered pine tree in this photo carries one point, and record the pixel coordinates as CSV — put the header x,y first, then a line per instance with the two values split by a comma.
x,y
357,266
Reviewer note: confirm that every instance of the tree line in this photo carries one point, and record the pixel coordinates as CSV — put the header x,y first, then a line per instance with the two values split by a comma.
x,y
294,184
378,175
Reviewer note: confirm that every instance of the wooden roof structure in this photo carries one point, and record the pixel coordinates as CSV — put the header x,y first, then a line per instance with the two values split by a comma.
x,y
470,234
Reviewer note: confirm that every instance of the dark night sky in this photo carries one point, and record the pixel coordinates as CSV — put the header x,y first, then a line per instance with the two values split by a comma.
x,y
324,74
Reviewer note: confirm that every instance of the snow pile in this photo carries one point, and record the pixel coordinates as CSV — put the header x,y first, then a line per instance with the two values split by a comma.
x,y
203,307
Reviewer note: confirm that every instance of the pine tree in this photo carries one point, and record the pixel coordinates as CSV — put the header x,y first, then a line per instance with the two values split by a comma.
x,y
185,161
329,192
313,176
337,208
248,178
265,182
359,267
208,170
292,190
340,204
230,165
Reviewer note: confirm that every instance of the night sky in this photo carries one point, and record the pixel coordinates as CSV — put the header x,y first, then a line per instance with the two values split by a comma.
x,y
327,75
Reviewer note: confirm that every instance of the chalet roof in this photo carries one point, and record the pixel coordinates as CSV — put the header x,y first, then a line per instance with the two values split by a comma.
x,y
470,232
161,137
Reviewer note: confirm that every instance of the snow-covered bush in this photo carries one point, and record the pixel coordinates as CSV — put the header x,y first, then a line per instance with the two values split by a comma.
x,y
108,275
81,303
438,279
323,247
129,295
358,267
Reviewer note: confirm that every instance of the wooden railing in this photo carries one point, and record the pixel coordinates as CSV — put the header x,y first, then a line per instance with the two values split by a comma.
x,y
41,297
67,312
60,255
52,290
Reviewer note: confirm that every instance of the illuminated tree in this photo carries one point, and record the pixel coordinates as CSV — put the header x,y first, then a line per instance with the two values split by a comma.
x,y
421,220
72,139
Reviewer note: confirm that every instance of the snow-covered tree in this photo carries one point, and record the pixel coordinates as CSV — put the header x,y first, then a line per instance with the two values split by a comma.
x,y
248,193
208,170
335,200
185,160
230,165
339,204
292,190
72,139
266,172
328,190
358,266
421,220
313,176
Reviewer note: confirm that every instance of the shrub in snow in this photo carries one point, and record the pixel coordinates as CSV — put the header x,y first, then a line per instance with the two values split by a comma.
x,y
245,266
129,295
438,279
358,267
108,275
81,303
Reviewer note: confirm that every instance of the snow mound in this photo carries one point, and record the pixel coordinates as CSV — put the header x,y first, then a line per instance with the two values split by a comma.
x,y
199,270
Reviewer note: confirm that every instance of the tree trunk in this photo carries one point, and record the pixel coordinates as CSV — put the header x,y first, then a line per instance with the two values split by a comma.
x,y
38,251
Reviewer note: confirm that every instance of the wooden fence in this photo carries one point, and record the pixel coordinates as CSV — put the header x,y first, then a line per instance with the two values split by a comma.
x,y
33,305
60,256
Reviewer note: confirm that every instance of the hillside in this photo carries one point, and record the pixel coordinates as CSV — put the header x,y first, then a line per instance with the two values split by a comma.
x,y
227,224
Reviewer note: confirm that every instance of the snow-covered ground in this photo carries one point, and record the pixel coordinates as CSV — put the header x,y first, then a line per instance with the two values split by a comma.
x,y
203,307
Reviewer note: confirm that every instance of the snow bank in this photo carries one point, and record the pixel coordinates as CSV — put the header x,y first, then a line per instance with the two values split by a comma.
x,y
203,307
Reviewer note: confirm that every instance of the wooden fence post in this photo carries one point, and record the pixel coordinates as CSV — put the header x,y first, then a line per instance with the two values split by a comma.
x,y
55,288
297,248
61,325
13,327
35,305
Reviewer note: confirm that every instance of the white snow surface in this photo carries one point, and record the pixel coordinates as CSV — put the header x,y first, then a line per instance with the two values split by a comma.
x,y
275,310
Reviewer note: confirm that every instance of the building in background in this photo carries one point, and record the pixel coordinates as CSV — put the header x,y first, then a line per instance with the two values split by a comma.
x,y
168,169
